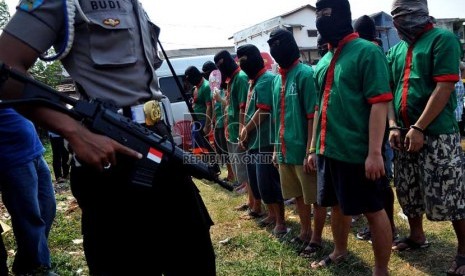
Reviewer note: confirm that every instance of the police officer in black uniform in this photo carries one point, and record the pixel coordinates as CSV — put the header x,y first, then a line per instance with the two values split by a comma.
x,y
109,49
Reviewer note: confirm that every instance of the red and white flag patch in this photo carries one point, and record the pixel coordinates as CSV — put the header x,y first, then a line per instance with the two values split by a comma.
x,y
155,155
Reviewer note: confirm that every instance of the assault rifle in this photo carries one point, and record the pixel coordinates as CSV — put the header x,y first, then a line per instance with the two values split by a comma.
x,y
103,118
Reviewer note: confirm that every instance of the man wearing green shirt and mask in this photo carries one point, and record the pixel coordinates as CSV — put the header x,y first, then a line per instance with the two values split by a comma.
x,y
423,129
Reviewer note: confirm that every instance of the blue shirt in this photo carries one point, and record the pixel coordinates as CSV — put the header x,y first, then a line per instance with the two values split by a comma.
x,y
19,142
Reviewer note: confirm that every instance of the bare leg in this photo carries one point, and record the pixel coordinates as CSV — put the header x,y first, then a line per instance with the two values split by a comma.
x,y
459,227
277,211
319,218
304,212
417,233
340,226
389,207
230,176
256,204
416,229
381,238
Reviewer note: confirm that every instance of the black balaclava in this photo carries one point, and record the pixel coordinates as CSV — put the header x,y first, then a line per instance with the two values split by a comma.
x,y
365,27
335,27
250,59
193,75
207,68
410,18
223,84
283,48
379,41
225,63
322,45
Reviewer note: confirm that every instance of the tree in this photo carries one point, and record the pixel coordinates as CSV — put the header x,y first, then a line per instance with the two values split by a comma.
x,y
4,14
50,73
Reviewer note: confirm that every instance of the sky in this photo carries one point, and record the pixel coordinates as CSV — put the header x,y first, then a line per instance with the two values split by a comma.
x,y
209,23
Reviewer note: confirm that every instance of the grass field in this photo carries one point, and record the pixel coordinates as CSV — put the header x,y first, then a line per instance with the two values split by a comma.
x,y
242,248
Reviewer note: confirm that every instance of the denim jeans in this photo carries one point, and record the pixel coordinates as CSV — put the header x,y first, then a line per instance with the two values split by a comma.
x,y
389,156
195,134
29,197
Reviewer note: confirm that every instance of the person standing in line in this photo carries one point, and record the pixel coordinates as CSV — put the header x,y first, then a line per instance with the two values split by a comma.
x,y
234,102
27,192
322,46
60,157
221,145
293,108
352,82
113,57
428,166
366,29
257,137
202,105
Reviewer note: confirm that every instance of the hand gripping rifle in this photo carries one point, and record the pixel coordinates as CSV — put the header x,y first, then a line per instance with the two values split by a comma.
x,y
102,118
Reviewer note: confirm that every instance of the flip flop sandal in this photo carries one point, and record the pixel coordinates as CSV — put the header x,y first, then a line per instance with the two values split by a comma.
x,y
459,262
311,249
409,245
296,241
242,207
264,223
328,261
252,215
279,234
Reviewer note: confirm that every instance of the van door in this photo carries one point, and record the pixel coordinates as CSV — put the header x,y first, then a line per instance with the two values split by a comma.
x,y
169,88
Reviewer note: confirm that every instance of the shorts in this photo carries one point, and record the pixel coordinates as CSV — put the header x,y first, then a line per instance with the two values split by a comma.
x,y
237,158
344,184
263,176
296,183
431,182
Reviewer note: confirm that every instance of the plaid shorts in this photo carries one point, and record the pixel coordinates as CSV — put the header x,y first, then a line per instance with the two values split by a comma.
x,y
431,181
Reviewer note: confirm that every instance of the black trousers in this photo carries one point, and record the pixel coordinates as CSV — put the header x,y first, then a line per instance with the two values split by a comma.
x,y
60,157
136,230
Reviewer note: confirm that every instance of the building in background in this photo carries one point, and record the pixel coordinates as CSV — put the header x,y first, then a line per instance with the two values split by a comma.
x,y
179,53
455,25
301,22
385,29
388,33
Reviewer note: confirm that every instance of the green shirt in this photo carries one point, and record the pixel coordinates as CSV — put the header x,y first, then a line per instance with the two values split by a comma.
x,y
260,97
293,106
236,95
433,58
360,79
202,99
219,111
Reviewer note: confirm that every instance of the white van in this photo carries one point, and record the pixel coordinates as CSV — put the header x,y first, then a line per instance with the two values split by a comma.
x,y
170,89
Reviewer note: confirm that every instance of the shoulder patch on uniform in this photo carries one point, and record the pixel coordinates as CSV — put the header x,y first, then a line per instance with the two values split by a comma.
x,y
111,22
30,5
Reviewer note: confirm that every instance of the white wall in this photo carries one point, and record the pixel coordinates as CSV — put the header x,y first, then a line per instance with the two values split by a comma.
x,y
259,33
306,17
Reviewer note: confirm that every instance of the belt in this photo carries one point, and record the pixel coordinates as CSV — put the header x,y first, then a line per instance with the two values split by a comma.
x,y
149,113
